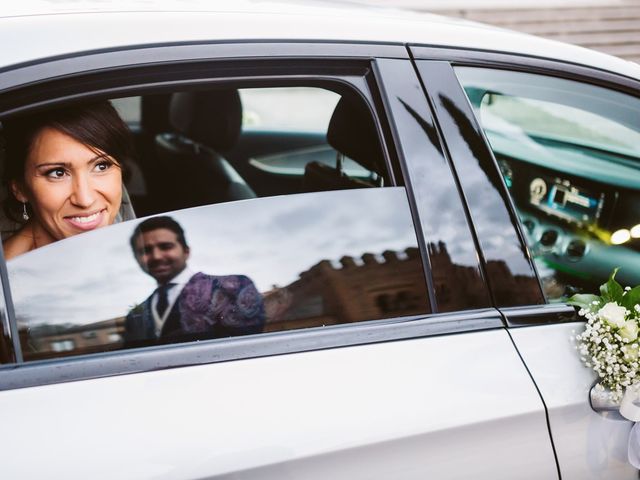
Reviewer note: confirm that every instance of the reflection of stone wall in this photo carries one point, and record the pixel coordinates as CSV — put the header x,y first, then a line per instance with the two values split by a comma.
x,y
457,286
360,289
49,341
388,286
368,288
504,283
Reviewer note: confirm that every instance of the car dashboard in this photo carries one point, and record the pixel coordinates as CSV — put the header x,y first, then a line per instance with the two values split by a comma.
x,y
571,221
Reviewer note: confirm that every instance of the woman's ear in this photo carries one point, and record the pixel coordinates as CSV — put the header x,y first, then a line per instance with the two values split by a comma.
x,y
18,191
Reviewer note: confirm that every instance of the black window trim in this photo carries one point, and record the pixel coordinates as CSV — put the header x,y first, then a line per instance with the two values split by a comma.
x,y
440,78
81,63
418,200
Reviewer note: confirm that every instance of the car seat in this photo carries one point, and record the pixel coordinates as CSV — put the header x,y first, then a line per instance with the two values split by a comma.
x,y
192,171
352,134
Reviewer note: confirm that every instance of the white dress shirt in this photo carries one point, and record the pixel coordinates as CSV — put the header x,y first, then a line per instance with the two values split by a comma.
x,y
178,282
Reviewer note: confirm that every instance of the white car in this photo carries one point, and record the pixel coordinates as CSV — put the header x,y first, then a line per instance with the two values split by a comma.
x,y
413,197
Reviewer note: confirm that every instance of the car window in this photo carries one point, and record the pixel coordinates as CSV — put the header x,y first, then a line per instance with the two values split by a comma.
x,y
262,265
233,229
569,154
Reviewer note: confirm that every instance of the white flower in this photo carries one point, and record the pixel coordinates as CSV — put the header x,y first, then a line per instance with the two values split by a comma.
x,y
631,353
613,314
630,331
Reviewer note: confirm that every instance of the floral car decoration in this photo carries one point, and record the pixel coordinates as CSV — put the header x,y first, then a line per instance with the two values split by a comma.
x,y
609,343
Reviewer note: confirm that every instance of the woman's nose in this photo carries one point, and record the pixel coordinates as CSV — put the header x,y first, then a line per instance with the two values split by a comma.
x,y
83,193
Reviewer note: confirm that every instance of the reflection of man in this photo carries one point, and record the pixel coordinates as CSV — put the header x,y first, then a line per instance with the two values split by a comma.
x,y
186,302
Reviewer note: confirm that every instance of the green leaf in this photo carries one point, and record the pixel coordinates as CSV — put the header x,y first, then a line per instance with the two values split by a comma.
x,y
584,300
631,298
612,290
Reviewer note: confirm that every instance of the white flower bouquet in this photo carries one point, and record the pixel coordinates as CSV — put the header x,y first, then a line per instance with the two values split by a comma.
x,y
609,343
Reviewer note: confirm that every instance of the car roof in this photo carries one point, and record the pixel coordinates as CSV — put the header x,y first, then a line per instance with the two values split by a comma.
x,y
67,27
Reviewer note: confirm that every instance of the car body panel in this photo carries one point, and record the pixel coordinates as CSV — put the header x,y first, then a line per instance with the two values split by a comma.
x,y
145,23
400,410
588,445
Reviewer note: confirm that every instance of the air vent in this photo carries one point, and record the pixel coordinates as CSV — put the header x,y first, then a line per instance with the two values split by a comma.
x,y
576,249
549,238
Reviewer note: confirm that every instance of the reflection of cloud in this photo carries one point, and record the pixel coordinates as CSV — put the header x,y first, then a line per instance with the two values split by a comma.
x,y
490,222
93,276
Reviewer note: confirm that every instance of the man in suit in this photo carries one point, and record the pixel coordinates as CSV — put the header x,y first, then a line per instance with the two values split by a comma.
x,y
187,305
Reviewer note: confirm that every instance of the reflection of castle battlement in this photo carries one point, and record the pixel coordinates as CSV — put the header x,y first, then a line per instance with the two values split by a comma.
x,y
365,288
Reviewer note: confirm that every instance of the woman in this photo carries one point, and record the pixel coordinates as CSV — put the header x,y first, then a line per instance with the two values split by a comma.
x,y
64,173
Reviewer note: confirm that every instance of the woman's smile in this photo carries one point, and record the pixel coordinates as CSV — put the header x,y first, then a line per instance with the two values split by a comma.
x,y
87,221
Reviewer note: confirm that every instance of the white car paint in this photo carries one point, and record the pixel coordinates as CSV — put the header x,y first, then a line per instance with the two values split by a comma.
x,y
68,27
396,410
589,445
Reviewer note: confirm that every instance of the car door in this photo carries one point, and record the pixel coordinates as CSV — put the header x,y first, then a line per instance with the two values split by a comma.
x,y
539,158
393,363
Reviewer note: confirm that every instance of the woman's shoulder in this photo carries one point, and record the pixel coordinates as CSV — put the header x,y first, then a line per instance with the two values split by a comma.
x,y
17,244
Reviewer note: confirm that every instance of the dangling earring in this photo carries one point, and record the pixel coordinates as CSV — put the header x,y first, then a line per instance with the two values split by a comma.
x,y
25,215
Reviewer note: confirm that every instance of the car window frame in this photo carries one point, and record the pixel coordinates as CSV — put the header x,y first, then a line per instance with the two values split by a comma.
x,y
125,72
525,314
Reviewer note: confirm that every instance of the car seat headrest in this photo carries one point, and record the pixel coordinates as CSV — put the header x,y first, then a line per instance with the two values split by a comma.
x,y
154,113
212,118
352,132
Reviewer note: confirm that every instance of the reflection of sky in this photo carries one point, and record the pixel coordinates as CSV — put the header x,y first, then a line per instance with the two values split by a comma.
x,y
94,276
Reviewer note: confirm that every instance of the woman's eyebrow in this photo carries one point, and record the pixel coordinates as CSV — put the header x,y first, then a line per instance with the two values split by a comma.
x,y
68,164
98,157
53,164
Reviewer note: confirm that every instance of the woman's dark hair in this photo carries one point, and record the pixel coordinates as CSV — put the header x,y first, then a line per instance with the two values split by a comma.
x,y
96,125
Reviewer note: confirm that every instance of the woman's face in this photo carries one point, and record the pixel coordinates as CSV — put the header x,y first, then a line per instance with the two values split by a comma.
x,y
71,188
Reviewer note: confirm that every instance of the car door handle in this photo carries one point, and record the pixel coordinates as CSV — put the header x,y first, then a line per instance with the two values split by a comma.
x,y
603,405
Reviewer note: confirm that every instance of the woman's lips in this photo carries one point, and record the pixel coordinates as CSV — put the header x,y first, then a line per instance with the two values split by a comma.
x,y
86,222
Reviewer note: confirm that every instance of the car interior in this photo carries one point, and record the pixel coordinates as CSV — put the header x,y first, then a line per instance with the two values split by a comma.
x,y
199,147
193,149
571,166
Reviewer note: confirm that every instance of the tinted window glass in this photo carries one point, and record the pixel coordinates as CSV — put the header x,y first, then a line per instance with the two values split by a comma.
x,y
322,246
262,265
570,157
453,256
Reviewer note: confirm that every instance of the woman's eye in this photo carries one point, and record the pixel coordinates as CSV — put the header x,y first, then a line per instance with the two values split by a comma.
x,y
56,173
103,165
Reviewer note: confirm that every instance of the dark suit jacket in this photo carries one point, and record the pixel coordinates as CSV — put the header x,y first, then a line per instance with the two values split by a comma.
x,y
209,306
